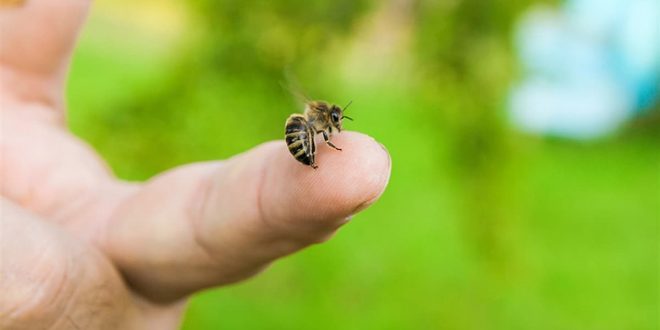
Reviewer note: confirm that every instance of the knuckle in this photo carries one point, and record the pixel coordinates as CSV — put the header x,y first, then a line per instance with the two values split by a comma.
x,y
36,296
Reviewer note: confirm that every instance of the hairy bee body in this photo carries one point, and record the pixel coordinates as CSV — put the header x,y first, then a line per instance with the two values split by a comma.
x,y
300,129
299,136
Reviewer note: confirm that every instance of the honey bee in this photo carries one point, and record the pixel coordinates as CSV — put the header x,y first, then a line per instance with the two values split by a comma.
x,y
300,129
11,3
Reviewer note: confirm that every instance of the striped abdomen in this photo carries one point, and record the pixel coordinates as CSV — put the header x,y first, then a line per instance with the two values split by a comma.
x,y
299,137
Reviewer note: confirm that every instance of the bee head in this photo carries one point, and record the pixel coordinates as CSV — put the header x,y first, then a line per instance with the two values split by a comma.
x,y
337,114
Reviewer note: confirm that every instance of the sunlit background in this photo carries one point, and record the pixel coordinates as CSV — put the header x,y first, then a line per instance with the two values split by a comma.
x,y
525,188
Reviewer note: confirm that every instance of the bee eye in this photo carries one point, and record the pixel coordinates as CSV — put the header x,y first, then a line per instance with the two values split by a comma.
x,y
335,117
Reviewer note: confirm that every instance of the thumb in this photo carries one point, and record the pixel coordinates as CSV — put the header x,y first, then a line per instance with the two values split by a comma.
x,y
216,223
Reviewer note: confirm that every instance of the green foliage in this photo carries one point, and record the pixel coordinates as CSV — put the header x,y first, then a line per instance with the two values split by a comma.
x,y
480,228
261,37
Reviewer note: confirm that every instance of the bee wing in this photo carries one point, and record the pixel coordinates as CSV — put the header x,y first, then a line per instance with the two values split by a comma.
x,y
291,85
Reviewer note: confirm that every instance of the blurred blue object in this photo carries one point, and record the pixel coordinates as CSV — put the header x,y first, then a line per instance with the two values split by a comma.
x,y
588,67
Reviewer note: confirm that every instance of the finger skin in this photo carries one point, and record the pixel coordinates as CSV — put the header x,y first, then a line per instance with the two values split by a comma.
x,y
219,222
37,39
49,280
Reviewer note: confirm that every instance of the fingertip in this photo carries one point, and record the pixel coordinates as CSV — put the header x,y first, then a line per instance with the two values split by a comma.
x,y
359,173
344,183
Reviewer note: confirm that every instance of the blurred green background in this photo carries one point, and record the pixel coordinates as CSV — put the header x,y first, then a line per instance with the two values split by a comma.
x,y
481,227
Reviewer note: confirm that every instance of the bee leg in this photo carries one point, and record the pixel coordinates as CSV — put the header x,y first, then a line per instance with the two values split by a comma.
x,y
314,166
327,140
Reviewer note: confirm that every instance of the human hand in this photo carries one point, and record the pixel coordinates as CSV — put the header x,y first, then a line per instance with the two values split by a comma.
x,y
82,249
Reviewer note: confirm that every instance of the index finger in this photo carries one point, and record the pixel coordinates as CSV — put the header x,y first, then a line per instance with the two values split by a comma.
x,y
37,40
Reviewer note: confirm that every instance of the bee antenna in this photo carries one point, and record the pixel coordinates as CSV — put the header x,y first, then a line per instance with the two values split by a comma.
x,y
347,117
346,107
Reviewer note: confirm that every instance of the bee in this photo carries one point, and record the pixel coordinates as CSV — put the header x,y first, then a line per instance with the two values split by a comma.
x,y
11,3
300,129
